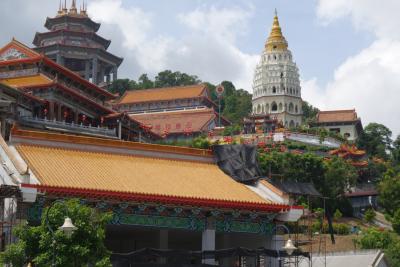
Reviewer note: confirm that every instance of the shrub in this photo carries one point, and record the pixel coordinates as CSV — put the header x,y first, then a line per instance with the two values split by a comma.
x,y
396,221
337,215
375,239
369,215
341,229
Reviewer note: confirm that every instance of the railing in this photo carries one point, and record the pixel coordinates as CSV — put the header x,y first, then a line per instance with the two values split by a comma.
x,y
314,139
280,136
68,127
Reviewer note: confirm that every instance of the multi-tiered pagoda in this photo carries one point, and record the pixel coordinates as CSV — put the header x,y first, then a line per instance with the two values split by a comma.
x,y
72,41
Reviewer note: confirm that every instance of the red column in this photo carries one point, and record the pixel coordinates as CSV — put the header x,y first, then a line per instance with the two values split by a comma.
x,y
51,110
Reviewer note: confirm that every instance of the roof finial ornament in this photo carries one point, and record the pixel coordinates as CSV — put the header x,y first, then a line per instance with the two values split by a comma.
x,y
59,12
276,13
83,10
73,10
65,10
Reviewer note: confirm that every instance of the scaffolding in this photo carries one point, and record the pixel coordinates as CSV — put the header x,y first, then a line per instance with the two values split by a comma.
x,y
10,216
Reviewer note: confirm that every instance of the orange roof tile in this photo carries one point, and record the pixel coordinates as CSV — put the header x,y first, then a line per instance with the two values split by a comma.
x,y
194,120
159,94
337,116
67,168
27,81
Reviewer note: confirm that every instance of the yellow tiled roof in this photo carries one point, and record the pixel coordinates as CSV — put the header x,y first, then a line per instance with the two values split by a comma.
x,y
60,167
27,81
162,94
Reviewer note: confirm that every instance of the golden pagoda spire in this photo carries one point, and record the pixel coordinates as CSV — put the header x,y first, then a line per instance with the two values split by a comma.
x,y
83,11
60,11
276,40
65,10
73,10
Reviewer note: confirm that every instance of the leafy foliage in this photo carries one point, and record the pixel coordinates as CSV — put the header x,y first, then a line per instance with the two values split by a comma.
x,y
201,142
309,112
369,215
168,78
389,192
376,140
388,242
337,215
36,244
396,151
331,178
375,239
165,78
396,221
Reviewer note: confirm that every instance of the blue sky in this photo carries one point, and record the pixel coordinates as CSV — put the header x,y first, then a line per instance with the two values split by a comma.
x,y
348,51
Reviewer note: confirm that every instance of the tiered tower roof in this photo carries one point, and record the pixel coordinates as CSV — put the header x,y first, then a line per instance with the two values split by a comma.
x,y
276,40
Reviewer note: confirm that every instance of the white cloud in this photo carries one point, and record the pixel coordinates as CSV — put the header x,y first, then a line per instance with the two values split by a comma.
x,y
370,80
208,50
378,17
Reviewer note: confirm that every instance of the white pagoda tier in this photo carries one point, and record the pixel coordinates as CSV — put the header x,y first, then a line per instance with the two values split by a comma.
x,y
276,84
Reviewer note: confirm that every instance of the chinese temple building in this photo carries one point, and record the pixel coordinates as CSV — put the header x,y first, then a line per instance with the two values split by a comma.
x,y
172,112
161,197
354,156
259,123
276,83
344,122
64,101
72,41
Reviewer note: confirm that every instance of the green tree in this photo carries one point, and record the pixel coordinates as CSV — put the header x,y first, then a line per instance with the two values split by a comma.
x,y
86,245
375,239
337,215
237,106
121,85
339,175
389,192
168,78
396,151
309,112
369,215
144,82
396,221
376,140
388,242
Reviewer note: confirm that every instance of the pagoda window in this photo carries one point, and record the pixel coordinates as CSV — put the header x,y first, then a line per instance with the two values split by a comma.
x,y
280,106
291,107
258,108
267,108
274,90
262,109
296,109
275,57
274,106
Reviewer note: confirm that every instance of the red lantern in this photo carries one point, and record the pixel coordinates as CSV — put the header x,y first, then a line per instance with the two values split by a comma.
x,y
101,119
65,115
45,112
83,118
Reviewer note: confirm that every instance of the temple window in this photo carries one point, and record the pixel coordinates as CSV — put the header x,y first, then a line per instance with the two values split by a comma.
x,y
274,106
274,90
280,106
291,107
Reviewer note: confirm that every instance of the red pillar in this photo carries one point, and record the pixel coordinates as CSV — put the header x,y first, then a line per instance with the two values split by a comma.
x,y
51,110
